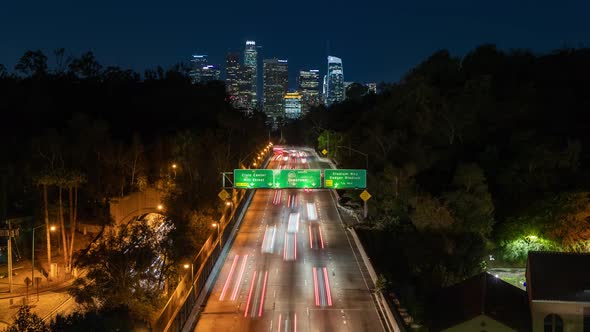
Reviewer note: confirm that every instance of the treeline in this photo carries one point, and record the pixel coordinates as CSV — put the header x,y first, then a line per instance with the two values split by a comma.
x,y
468,157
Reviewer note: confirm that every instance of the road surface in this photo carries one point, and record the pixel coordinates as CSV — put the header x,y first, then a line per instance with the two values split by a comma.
x,y
291,266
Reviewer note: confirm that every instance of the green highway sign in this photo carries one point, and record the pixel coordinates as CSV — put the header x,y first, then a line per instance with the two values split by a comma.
x,y
298,178
345,178
253,178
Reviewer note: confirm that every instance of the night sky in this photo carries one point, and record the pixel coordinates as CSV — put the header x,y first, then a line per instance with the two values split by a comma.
x,y
377,40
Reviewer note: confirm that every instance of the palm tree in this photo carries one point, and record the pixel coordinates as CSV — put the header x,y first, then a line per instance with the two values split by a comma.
x,y
61,182
75,179
45,181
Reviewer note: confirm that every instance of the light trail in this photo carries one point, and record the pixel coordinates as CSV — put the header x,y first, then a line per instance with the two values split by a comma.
x,y
229,278
293,225
234,294
268,242
321,237
250,295
295,246
310,240
261,308
315,287
311,212
327,283
285,248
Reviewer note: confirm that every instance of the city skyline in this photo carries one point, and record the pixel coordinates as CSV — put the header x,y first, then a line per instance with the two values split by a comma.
x,y
379,42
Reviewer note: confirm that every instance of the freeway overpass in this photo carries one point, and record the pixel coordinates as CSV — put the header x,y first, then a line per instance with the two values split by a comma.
x,y
292,266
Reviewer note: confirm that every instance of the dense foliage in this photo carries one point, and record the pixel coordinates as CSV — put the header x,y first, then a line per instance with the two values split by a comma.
x,y
465,156
77,135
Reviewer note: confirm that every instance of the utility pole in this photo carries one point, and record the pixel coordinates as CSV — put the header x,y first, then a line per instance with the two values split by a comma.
x,y
9,257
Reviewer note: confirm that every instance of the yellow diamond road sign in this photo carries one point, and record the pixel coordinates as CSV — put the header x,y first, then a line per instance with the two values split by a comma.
x,y
365,195
325,152
223,194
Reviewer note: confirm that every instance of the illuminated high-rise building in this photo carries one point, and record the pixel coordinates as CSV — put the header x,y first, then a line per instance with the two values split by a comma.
x,y
232,67
210,73
334,81
244,97
372,87
324,88
309,87
251,60
197,63
276,84
292,105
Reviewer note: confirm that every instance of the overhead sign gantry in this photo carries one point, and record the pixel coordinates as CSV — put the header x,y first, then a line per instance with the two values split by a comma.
x,y
299,178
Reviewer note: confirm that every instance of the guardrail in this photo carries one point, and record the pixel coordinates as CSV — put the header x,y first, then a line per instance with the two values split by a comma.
x,y
177,310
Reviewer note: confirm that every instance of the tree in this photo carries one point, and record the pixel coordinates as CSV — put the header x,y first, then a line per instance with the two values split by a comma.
x,y
356,91
61,182
431,214
3,72
45,181
32,63
26,321
115,319
86,66
135,162
471,202
61,62
125,268
74,180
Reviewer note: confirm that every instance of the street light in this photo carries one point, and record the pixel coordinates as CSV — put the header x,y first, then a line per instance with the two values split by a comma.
x,y
174,166
230,204
186,266
51,228
215,225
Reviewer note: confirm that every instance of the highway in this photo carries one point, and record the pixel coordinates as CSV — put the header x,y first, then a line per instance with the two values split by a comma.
x,y
291,266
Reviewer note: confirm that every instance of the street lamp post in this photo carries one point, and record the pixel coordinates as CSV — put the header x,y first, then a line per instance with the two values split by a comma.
x,y
230,205
365,208
51,228
192,272
216,225
174,166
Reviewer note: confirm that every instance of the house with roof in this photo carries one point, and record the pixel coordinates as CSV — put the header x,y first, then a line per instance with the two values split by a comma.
x,y
480,303
558,287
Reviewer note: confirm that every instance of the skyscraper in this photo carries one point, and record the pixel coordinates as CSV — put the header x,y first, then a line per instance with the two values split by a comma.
x,y
292,105
197,63
244,101
251,60
335,81
232,67
324,88
372,87
276,84
210,73
309,87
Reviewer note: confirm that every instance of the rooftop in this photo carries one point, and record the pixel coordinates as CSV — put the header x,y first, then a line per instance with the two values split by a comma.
x,y
558,276
481,294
